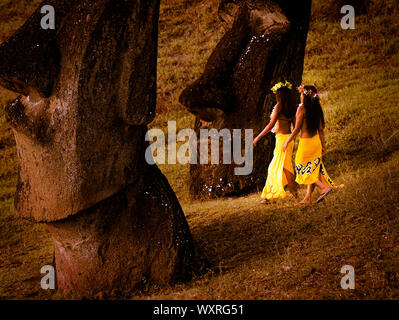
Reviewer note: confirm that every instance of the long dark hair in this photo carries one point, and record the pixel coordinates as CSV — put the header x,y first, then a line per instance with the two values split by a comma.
x,y
284,99
314,112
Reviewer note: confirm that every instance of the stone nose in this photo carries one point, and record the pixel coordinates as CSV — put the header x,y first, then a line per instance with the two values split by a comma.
x,y
29,60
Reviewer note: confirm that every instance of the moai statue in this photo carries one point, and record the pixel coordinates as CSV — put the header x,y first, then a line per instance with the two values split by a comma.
x,y
88,89
264,44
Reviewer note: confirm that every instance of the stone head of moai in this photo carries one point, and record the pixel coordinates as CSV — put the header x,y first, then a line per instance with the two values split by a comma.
x,y
87,91
264,43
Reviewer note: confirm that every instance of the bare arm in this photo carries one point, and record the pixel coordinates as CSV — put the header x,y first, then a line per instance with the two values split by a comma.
x,y
322,139
298,126
271,124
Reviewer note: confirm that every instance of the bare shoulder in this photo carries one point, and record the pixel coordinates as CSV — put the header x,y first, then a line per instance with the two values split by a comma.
x,y
277,107
301,109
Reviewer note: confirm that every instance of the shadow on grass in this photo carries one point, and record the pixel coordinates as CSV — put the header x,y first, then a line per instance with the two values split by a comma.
x,y
263,231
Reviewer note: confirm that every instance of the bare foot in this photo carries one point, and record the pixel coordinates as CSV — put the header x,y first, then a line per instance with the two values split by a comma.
x,y
305,200
324,190
323,195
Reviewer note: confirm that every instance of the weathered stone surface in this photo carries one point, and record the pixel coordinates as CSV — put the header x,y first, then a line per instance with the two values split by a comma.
x,y
88,89
138,236
86,85
265,43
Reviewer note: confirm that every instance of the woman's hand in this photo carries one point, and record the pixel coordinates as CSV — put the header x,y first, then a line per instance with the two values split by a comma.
x,y
285,146
255,141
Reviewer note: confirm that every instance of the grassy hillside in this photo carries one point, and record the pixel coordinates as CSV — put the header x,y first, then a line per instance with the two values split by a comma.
x,y
255,251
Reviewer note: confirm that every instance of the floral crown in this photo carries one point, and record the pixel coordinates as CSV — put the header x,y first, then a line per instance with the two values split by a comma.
x,y
281,85
309,92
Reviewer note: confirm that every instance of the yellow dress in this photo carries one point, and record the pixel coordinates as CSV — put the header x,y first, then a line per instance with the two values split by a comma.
x,y
309,165
276,179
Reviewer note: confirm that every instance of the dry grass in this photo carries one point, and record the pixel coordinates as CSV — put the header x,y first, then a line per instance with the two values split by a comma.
x,y
255,251
281,251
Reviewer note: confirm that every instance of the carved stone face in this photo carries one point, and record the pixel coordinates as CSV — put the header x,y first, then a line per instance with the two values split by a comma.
x,y
87,91
264,44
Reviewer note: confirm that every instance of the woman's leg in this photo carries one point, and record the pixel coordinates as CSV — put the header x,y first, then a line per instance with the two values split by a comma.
x,y
324,191
291,183
322,186
308,196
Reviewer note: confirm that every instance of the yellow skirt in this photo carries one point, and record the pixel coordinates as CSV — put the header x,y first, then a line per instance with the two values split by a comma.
x,y
309,165
276,179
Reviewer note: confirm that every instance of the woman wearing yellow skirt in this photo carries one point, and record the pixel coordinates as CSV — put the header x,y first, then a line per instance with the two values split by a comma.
x,y
309,165
280,172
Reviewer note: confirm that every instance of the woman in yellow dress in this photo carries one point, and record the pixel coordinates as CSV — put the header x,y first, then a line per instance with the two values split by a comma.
x,y
309,166
280,172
